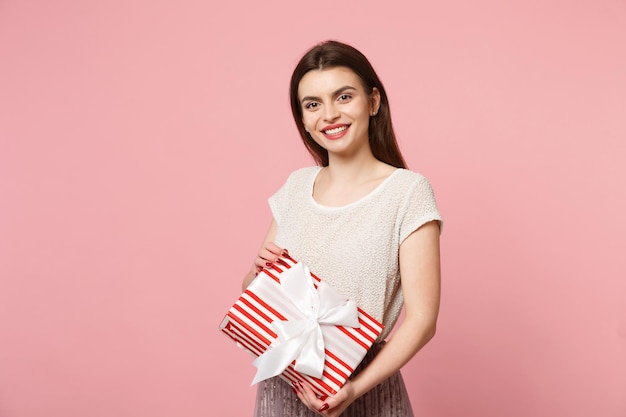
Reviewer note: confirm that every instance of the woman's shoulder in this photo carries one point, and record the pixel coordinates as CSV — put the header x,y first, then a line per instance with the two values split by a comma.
x,y
407,177
303,174
304,171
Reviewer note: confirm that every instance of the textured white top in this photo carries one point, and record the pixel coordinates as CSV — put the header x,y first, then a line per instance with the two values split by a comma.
x,y
355,248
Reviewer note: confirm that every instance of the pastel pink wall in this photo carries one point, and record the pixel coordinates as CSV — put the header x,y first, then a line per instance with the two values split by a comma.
x,y
140,139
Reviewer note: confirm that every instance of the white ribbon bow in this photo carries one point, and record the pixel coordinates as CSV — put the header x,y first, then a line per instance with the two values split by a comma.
x,y
302,339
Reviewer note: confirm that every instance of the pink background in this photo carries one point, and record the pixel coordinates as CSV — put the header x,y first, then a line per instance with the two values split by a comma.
x,y
139,141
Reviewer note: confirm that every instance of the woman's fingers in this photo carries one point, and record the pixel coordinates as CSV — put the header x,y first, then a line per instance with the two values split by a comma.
x,y
309,398
299,390
268,254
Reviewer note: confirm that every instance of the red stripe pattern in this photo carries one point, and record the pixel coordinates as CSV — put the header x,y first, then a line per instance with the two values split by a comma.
x,y
248,323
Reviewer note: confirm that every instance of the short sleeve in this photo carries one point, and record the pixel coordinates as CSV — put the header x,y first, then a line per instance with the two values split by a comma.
x,y
419,208
279,201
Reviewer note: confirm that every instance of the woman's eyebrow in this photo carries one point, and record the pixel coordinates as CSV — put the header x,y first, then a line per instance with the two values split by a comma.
x,y
335,93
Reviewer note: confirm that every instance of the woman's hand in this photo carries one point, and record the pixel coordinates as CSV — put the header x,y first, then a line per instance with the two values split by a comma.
x,y
268,254
333,406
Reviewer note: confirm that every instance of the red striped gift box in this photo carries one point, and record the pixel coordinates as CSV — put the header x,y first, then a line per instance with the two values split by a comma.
x,y
248,323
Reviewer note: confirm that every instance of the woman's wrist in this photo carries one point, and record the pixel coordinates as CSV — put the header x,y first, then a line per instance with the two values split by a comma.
x,y
359,386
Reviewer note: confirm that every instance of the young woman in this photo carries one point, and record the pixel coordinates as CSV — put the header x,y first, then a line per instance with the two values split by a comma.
x,y
363,223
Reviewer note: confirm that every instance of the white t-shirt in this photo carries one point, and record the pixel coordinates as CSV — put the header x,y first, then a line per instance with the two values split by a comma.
x,y
355,248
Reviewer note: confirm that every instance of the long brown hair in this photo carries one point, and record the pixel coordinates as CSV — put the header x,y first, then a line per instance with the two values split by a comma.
x,y
331,54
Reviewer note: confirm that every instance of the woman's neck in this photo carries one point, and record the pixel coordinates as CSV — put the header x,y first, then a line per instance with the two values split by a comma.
x,y
355,170
345,181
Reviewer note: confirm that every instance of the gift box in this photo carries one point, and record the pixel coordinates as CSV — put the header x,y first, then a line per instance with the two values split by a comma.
x,y
300,328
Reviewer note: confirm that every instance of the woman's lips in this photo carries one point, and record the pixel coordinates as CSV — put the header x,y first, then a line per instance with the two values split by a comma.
x,y
335,131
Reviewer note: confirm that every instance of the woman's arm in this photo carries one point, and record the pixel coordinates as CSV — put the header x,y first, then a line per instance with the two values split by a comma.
x,y
269,252
420,277
420,273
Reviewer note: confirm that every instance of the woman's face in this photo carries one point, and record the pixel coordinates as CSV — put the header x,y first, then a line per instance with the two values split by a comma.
x,y
336,109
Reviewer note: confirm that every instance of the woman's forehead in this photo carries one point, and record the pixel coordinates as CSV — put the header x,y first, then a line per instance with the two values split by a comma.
x,y
327,81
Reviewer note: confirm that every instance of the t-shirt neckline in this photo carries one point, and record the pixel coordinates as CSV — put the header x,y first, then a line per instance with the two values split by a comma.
x,y
355,202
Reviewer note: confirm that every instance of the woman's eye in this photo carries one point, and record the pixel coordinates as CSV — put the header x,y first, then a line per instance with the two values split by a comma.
x,y
345,97
311,106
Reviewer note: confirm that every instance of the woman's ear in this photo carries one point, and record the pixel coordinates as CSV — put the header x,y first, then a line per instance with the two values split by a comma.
x,y
375,100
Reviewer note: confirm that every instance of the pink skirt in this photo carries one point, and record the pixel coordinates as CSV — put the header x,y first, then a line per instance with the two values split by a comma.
x,y
275,397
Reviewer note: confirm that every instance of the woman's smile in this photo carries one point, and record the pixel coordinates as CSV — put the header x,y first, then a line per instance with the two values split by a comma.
x,y
335,131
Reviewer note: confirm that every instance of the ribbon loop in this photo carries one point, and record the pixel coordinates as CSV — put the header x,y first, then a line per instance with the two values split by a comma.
x,y
302,338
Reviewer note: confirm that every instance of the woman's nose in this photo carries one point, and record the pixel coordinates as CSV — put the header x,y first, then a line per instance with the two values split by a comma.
x,y
331,112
